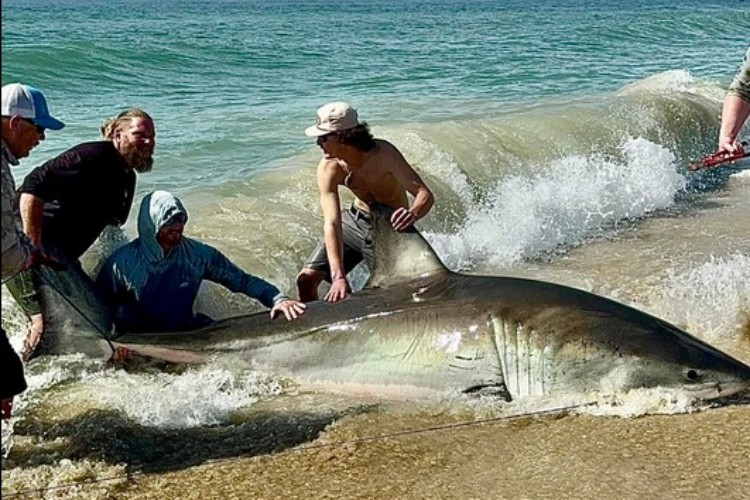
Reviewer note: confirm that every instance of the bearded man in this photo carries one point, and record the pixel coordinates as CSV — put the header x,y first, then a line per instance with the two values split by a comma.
x,y
67,202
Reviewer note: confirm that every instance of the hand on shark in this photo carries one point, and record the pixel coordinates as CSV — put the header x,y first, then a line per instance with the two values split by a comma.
x,y
292,309
339,289
402,219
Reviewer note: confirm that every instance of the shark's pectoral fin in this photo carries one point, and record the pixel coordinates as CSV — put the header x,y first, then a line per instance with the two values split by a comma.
x,y
170,355
399,255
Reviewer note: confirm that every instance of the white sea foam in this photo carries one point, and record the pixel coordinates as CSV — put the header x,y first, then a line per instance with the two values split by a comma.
x,y
631,404
573,198
639,402
439,163
718,295
205,396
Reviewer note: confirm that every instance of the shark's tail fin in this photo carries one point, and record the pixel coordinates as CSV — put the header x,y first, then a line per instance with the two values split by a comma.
x,y
399,255
76,319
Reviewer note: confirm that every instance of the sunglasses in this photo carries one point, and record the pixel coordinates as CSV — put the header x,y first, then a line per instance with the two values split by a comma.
x,y
322,139
39,128
177,218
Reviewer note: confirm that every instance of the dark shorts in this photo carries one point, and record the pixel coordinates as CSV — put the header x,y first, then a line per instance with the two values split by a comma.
x,y
356,227
13,380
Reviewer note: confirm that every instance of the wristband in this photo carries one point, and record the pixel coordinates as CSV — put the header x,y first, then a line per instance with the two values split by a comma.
x,y
278,299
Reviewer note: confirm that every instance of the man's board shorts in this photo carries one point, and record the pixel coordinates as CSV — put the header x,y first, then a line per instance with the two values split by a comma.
x,y
23,288
13,380
356,228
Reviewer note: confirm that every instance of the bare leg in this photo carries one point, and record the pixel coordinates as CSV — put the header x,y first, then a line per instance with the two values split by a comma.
x,y
308,281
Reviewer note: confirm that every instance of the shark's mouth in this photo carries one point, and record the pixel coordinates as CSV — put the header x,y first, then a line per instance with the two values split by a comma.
x,y
717,390
493,390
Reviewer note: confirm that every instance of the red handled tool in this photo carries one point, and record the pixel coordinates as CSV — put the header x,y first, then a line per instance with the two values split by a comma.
x,y
721,157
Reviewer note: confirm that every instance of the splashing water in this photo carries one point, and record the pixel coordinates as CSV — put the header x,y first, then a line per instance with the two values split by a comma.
x,y
574,199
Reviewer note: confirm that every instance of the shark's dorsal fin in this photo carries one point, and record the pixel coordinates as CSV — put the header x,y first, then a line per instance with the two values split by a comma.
x,y
75,315
399,256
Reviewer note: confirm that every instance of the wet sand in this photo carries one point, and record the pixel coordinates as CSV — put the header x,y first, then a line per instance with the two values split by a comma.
x,y
691,456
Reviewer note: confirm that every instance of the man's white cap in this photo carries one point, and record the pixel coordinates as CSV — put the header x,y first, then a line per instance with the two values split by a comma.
x,y
333,117
28,102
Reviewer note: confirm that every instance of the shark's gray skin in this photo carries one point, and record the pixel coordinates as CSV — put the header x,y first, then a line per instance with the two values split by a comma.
x,y
418,328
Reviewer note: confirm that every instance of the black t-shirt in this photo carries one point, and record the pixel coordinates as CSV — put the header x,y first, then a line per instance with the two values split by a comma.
x,y
84,189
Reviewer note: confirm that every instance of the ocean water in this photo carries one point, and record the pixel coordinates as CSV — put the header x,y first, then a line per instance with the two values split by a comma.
x,y
555,136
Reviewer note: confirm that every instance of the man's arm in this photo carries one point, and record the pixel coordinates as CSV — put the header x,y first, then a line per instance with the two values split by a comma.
x,y
32,209
410,180
733,115
223,271
328,185
15,247
736,108
17,252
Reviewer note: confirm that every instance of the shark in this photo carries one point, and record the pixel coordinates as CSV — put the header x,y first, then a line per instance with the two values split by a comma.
x,y
418,328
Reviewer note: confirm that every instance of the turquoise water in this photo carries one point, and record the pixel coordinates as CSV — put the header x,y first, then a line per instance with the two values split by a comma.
x,y
232,84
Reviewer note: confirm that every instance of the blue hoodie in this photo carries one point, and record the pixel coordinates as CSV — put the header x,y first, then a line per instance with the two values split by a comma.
x,y
156,292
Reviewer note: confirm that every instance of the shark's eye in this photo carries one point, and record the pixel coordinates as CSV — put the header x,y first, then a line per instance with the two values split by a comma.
x,y
692,374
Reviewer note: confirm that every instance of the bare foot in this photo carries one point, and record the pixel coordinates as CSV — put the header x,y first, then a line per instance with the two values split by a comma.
x,y
33,337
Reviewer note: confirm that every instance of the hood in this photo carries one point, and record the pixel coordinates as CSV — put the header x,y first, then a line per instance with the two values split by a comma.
x,y
156,209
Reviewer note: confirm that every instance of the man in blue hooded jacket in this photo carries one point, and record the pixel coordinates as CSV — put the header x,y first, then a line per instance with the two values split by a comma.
x,y
153,281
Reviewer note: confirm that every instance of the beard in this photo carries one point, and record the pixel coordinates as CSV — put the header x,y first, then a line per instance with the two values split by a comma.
x,y
139,160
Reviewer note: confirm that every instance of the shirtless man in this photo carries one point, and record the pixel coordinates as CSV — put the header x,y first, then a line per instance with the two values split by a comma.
x,y
376,172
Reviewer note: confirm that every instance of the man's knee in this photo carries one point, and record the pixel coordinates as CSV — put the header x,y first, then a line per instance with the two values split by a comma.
x,y
308,281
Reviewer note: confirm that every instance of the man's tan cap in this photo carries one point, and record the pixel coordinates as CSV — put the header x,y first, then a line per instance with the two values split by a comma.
x,y
333,117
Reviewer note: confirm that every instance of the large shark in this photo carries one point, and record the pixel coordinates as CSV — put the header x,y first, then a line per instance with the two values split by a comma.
x,y
418,327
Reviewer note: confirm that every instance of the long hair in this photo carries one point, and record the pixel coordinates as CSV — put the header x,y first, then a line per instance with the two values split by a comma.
x,y
111,125
358,137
